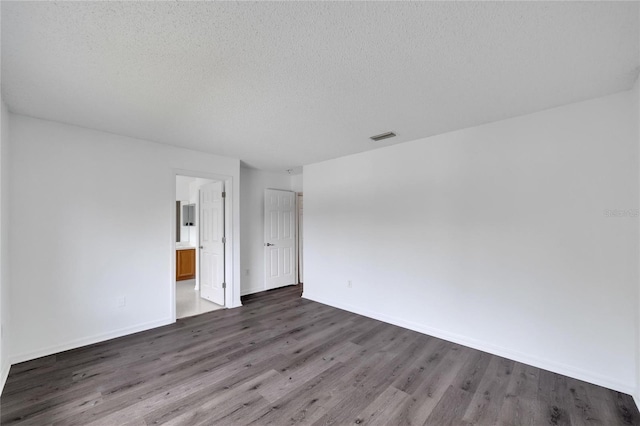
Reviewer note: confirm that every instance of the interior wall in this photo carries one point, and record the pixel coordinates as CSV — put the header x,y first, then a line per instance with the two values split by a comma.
x,y
252,185
4,240
182,188
636,113
92,227
518,237
5,326
297,182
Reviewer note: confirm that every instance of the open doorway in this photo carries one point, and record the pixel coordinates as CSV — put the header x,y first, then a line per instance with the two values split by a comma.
x,y
200,246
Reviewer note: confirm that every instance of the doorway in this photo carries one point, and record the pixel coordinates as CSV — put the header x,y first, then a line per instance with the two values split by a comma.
x,y
200,246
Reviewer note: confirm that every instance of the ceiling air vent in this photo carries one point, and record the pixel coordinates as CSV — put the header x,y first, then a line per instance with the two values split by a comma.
x,y
382,136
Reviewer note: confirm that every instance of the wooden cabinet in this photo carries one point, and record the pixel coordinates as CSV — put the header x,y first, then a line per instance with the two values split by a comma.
x,y
185,264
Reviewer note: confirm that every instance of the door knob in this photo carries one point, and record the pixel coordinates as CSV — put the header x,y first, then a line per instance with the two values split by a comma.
x,y
201,247
269,244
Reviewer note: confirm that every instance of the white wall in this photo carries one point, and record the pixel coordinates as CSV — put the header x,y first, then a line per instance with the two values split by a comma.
x,y
636,113
92,222
183,192
252,186
636,91
5,326
296,182
495,237
4,240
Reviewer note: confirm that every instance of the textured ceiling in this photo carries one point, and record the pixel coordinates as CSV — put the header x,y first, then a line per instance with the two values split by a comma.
x,y
280,85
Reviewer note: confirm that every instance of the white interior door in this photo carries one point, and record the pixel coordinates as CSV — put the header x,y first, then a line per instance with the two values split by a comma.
x,y
279,238
212,242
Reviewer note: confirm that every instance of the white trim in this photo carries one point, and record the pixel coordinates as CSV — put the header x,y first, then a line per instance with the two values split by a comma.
x,y
545,364
3,376
78,343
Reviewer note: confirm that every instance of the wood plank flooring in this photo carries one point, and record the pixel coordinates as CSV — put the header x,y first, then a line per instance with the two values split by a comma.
x,y
283,360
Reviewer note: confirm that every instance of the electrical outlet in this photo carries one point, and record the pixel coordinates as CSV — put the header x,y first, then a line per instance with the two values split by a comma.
x,y
349,284
122,302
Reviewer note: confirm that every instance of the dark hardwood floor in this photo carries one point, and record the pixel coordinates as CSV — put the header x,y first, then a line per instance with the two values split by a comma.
x,y
284,360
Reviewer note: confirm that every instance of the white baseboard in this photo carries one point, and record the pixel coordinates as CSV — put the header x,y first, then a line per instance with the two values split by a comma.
x,y
545,364
4,373
77,343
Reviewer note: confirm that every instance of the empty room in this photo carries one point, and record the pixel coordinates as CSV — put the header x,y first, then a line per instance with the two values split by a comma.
x,y
319,213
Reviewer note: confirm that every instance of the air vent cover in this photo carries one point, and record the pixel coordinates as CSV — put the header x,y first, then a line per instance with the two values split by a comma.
x,y
382,136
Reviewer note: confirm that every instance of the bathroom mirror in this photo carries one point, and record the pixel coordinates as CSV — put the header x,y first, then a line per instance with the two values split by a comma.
x,y
189,215
185,221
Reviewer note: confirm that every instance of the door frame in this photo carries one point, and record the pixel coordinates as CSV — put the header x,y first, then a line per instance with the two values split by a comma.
x,y
232,291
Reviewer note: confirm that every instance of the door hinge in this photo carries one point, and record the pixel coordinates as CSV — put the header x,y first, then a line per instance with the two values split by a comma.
x,y
224,240
224,194
224,285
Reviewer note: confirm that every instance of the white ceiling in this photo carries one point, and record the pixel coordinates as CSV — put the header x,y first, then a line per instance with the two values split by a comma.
x,y
280,85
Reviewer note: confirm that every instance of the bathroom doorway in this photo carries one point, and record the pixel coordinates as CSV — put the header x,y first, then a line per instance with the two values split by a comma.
x,y
200,246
